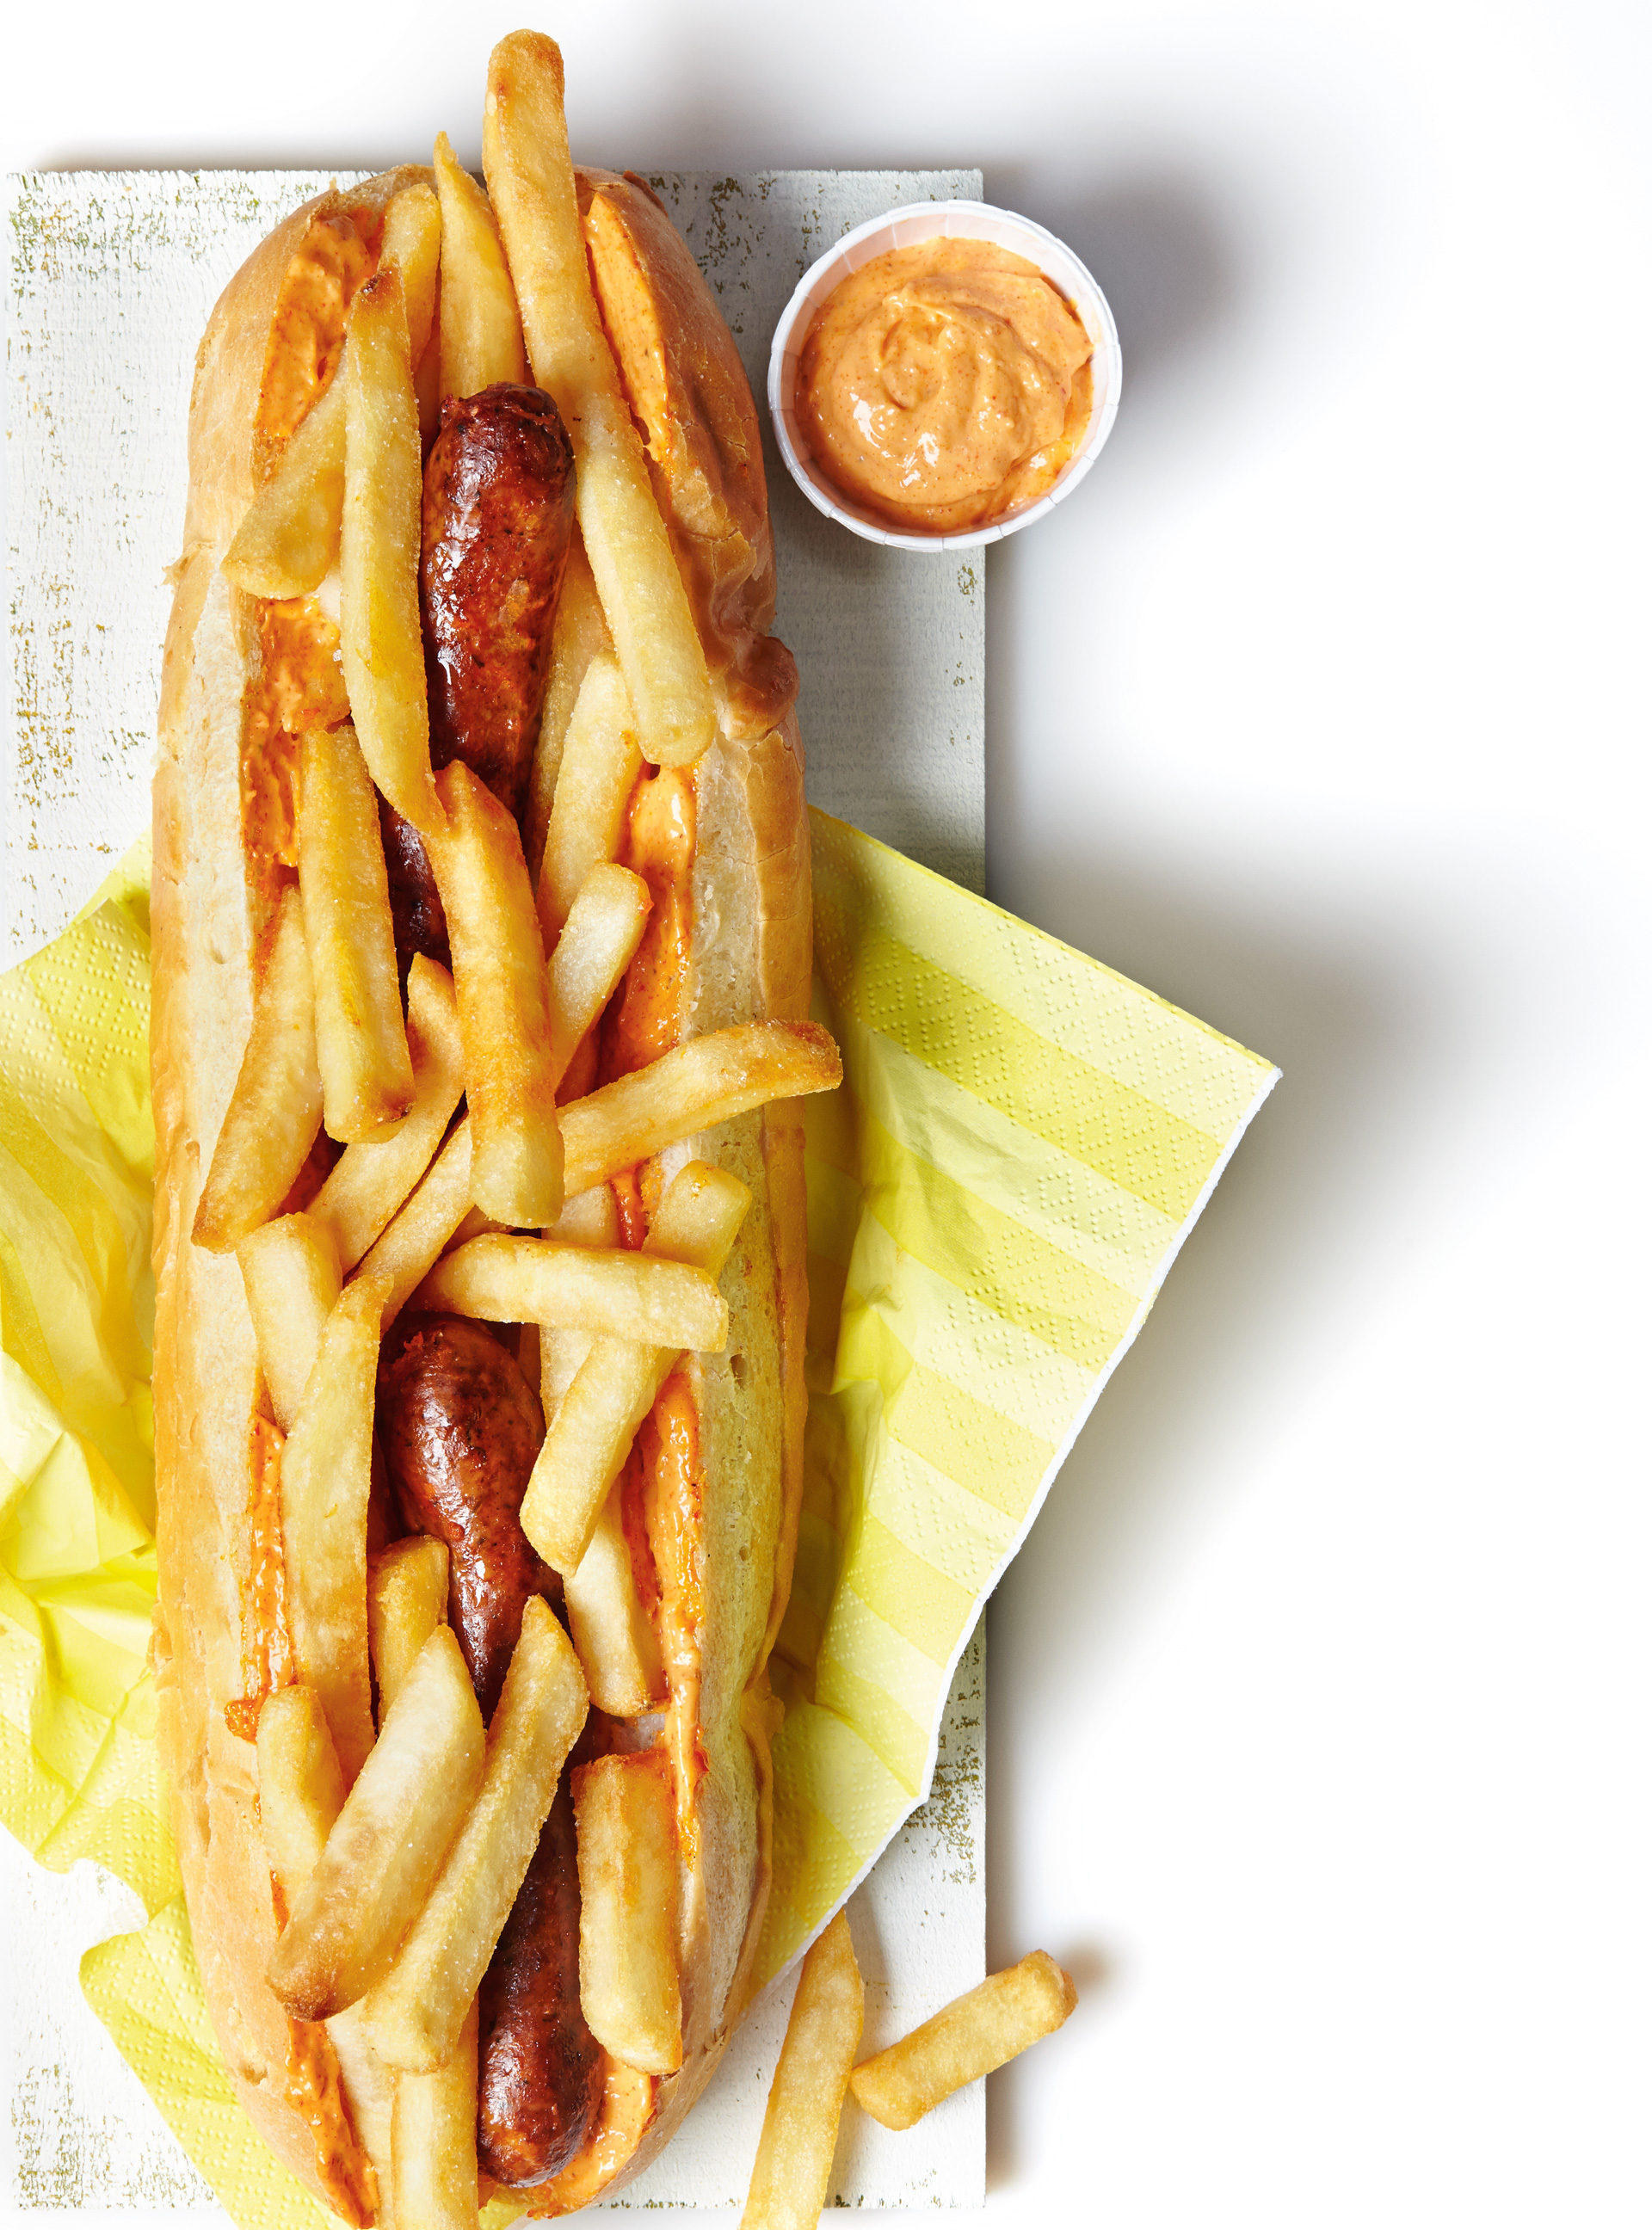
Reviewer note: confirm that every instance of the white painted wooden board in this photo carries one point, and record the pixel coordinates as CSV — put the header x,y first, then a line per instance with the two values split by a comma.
x,y
112,276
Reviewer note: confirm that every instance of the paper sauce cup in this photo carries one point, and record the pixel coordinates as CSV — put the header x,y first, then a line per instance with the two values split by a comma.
x,y
905,227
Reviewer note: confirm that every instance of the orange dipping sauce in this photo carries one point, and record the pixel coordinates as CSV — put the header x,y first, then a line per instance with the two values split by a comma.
x,y
944,385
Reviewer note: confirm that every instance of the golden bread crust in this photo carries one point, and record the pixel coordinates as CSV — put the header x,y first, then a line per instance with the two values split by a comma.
x,y
750,959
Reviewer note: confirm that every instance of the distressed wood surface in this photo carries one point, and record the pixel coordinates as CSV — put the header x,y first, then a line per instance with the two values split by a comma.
x,y
111,278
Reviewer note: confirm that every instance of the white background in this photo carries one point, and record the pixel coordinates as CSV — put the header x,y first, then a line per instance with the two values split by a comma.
x,y
1317,1699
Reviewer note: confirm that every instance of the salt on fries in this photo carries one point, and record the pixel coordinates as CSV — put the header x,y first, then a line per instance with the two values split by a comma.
x,y
794,2158
976,2032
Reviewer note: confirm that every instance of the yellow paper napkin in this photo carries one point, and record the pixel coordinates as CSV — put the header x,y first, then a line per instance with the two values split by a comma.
x,y
1022,1142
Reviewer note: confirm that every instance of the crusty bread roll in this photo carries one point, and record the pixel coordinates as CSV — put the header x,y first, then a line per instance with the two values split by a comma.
x,y
750,959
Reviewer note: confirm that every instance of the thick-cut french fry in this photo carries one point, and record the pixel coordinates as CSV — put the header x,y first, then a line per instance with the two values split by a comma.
x,y
288,540
530,177
300,1788
412,243
617,1641
327,1469
976,2032
407,1600
613,1389
598,944
383,644
690,1089
422,1226
418,2010
433,2140
600,760
387,1846
629,1990
372,2086
588,1219
290,1269
794,2158
578,633
504,995
360,1037
369,1181
274,1110
506,1280
481,334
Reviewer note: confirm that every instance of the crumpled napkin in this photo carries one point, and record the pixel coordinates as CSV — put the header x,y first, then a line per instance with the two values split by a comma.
x,y
1022,1142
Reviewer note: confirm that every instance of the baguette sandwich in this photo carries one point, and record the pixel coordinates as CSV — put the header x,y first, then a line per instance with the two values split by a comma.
x,y
481,968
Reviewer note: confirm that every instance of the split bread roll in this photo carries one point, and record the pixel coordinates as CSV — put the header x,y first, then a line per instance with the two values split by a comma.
x,y
249,1637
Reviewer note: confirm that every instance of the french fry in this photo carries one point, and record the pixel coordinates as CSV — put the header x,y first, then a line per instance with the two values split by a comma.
x,y
387,1846
588,1219
793,2168
504,997
411,241
600,760
327,1469
481,334
360,1037
301,1786
976,2032
288,540
382,642
630,1989
275,1110
417,2012
369,1181
290,1269
433,2139
690,1089
372,2086
614,1389
579,632
530,178
422,1227
617,1641
407,1600
506,1280
598,944
300,1795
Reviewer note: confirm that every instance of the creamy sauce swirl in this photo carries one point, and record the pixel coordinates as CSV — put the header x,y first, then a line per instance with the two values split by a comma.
x,y
944,384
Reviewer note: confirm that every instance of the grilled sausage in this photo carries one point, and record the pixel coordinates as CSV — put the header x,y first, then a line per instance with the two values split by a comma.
x,y
498,515
497,519
460,1430
540,2077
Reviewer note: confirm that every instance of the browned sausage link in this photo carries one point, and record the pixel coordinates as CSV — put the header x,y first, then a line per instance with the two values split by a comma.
x,y
498,494
459,1431
540,2072
415,904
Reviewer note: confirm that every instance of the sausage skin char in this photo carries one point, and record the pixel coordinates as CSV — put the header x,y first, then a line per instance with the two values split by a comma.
x,y
460,1430
497,518
539,2073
